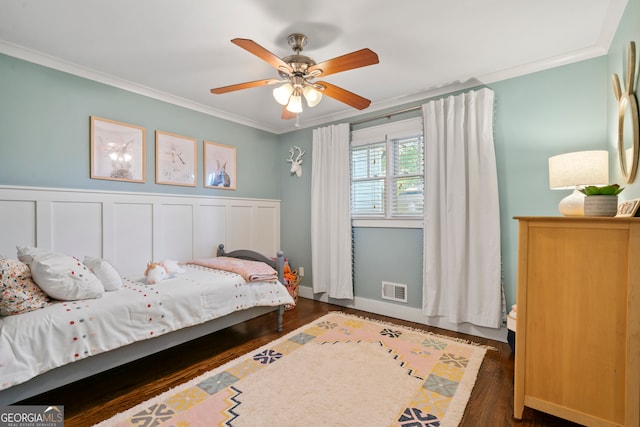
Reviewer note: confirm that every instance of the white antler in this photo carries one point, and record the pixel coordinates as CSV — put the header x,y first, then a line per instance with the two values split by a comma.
x,y
295,164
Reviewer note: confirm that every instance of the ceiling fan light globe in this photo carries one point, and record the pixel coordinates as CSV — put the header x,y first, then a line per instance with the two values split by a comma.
x,y
283,93
295,104
312,96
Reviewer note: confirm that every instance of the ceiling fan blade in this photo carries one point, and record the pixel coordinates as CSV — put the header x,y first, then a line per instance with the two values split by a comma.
x,y
343,95
262,53
357,59
247,85
286,114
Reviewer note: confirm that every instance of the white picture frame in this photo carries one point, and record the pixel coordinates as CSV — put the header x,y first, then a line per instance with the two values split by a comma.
x,y
628,208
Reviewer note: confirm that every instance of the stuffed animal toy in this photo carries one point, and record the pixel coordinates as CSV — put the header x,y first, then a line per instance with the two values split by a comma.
x,y
289,275
172,267
156,272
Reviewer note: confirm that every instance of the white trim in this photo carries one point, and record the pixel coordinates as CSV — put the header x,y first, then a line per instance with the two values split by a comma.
x,y
407,313
601,47
380,133
100,77
387,223
130,193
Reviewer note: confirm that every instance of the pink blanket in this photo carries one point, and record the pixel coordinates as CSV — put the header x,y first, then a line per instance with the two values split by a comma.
x,y
251,271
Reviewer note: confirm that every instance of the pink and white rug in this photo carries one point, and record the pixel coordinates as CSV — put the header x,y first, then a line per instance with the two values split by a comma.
x,y
339,370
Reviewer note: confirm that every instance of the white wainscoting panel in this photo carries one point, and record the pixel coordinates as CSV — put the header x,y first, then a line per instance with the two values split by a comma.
x,y
240,219
175,227
76,228
211,223
17,225
265,217
131,229
132,236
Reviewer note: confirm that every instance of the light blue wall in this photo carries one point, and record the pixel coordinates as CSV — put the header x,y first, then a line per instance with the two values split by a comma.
x,y
44,134
536,116
44,141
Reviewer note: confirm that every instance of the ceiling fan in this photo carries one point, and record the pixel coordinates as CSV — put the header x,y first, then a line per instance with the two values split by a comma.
x,y
298,73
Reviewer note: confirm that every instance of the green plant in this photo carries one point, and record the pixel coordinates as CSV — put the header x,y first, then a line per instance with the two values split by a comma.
x,y
607,190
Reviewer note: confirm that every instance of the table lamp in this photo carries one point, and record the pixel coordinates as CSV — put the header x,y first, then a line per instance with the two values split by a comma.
x,y
572,171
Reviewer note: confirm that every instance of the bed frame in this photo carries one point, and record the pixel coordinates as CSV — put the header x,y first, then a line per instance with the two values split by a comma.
x,y
277,264
104,361
130,229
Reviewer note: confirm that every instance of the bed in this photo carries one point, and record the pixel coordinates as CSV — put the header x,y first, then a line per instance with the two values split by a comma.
x,y
69,340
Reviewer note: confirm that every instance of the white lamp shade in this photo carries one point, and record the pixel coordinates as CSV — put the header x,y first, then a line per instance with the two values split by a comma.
x,y
283,93
295,104
571,171
578,169
312,96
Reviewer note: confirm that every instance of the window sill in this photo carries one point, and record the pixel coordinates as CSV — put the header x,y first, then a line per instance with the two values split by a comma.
x,y
386,223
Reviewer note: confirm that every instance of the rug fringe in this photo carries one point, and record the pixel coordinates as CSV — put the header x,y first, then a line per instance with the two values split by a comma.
x,y
457,406
124,415
414,329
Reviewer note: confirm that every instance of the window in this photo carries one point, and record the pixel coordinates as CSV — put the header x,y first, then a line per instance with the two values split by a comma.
x,y
408,176
368,179
387,173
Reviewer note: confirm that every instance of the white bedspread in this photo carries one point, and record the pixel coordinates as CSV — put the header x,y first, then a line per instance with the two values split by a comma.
x,y
35,342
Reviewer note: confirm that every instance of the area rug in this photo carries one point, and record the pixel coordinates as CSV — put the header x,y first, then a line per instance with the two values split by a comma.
x,y
339,370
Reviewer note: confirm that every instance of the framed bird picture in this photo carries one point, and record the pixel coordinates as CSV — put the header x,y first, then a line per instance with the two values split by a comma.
x,y
175,159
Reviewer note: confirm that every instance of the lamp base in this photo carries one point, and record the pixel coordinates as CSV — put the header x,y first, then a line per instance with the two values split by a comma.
x,y
572,205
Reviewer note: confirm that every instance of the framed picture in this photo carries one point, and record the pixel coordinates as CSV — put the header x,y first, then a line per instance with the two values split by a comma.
x,y
117,150
219,166
628,208
175,159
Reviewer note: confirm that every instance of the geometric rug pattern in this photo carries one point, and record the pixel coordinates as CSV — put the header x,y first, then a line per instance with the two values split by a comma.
x,y
337,370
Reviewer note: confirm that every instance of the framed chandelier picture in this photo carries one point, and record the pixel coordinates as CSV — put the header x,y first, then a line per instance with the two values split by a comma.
x,y
117,150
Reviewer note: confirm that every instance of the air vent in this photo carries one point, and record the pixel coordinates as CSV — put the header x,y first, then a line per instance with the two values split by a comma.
x,y
394,291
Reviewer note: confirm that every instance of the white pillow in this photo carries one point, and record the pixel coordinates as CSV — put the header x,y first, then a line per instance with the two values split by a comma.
x,y
63,277
27,253
106,273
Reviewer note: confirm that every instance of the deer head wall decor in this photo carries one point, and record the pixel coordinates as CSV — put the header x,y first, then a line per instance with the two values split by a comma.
x,y
295,164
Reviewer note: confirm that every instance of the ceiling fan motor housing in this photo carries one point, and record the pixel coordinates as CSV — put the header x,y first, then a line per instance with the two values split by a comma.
x,y
297,42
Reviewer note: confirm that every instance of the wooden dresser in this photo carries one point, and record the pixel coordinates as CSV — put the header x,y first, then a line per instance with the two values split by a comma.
x,y
578,319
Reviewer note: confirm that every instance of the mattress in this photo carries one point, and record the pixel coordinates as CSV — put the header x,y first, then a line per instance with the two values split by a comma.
x,y
35,342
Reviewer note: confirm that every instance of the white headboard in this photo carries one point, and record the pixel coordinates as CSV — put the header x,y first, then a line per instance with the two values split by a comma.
x,y
131,229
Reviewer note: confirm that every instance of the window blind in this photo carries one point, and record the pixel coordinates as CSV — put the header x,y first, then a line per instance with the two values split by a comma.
x,y
368,177
387,171
408,176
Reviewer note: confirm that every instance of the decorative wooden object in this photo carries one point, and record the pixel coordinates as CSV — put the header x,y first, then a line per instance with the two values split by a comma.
x,y
628,135
578,324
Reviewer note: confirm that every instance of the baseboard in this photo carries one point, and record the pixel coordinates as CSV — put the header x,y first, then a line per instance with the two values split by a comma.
x,y
410,314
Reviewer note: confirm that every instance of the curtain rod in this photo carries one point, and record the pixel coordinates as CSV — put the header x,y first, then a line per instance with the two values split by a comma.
x,y
388,115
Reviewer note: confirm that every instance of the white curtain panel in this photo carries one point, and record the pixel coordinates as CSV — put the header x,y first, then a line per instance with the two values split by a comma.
x,y
331,212
462,273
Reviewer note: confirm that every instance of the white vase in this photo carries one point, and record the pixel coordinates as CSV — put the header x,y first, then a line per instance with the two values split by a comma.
x,y
602,205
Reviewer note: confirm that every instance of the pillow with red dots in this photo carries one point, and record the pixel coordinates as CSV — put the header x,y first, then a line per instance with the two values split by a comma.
x,y
60,276
105,272
18,293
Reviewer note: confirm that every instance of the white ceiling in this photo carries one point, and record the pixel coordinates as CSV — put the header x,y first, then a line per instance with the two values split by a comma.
x,y
178,50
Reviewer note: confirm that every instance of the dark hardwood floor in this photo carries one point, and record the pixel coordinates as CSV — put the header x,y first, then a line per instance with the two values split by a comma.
x,y
97,398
